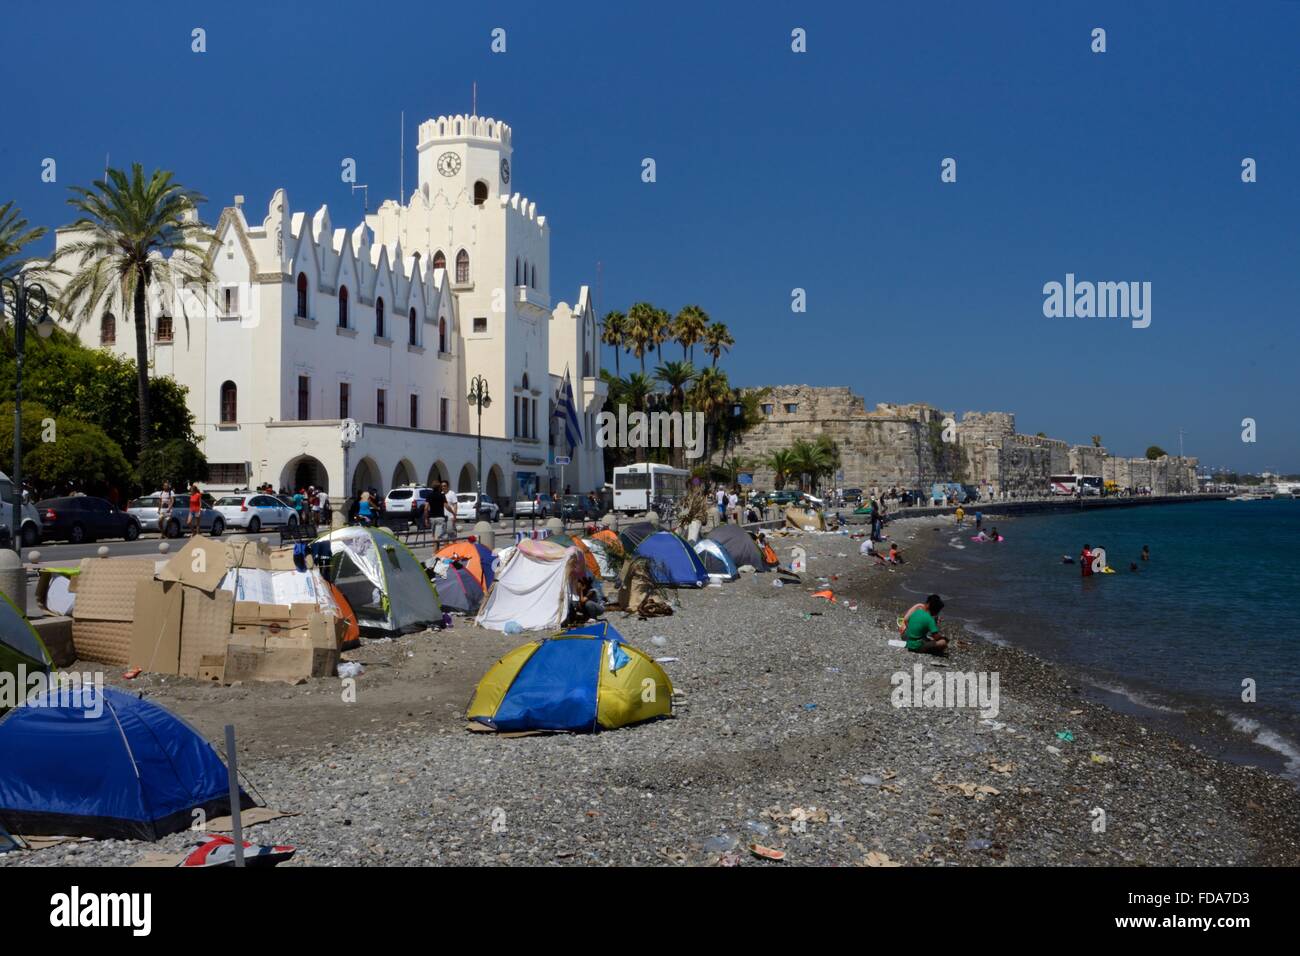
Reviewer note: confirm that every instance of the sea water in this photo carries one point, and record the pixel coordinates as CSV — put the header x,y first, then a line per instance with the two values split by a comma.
x,y
1208,622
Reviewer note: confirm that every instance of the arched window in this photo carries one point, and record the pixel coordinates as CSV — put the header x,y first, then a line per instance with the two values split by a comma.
x,y
516,270
343,307
462,266
229,403
107,329
379,317
302,295
413,325
442,335
439,260
525,381
480,193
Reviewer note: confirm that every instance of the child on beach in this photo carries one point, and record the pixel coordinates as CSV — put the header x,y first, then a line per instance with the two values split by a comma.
x,y
961,515
895,556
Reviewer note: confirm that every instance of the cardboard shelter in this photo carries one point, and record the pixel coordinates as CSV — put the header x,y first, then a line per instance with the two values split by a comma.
x,y
213,611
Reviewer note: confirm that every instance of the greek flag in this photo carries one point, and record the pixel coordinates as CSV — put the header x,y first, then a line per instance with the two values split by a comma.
x,y
568,414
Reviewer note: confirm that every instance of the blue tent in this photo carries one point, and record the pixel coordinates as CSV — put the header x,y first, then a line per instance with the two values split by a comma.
x,y
716,559
672,560
581,680
81,762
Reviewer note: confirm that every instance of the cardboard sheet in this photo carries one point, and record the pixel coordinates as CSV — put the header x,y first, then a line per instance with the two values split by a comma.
x,y
156,638
105,588
205,627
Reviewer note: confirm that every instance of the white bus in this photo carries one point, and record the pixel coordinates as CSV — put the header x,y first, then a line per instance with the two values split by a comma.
x,y
639,487
1076,484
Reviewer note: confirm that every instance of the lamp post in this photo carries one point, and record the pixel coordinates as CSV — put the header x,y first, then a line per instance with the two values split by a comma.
x,y
20,294
479,398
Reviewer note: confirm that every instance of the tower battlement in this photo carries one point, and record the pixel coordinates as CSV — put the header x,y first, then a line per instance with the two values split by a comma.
x,y
461,127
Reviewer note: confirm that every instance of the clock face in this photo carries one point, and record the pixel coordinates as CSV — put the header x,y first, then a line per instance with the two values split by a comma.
x,y
505,170
449,164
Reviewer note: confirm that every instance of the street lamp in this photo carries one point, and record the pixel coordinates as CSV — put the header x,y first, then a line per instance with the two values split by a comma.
x,y
20,294
479,398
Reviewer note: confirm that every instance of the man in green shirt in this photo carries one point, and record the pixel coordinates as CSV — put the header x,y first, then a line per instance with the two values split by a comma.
x,y
921,628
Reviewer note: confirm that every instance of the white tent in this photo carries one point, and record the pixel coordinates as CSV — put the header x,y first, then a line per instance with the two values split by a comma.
x,y
601,555
532,588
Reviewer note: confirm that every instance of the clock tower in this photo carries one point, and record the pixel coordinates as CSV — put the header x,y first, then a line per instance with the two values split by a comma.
x,y
465,152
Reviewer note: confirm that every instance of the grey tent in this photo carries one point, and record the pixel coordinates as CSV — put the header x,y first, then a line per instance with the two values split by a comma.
x,y
738,543
458,590
382,580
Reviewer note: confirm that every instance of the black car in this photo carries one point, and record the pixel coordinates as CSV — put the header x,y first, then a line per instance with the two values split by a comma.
x,y
83,518
578,508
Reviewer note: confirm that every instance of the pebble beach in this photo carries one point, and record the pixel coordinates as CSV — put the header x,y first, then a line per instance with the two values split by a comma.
x,y
784,738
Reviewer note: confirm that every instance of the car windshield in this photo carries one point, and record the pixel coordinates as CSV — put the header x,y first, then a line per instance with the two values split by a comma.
x,y
231,501
144,503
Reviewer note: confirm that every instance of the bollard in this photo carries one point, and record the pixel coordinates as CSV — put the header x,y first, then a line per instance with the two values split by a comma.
x,y
33,557
652,517
13,579
163,547
103,551
555,525
486,535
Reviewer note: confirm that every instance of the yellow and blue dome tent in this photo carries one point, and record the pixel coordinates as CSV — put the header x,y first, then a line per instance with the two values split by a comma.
x,y
576,681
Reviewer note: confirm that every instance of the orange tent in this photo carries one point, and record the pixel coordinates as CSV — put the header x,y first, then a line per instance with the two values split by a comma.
x,y
609,539
353,636
470,555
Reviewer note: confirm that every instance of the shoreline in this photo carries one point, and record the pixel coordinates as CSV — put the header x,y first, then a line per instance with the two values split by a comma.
x,y
783,733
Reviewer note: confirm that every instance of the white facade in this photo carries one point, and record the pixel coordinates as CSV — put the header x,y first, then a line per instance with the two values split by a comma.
x,y
385,324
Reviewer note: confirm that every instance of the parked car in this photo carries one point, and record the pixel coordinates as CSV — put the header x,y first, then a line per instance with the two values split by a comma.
x,y
465,505
146,511
400,502
253,511
539,506
852,496
577,508
81,518
30,518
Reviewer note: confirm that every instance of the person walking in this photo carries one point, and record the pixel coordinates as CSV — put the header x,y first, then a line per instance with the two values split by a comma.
x,y
166,503
450,508
196,510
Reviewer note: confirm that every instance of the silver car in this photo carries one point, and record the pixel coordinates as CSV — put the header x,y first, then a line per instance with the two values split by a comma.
x,y
146,511
252,511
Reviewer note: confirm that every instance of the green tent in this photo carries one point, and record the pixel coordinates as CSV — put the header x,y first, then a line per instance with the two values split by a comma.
x,y
20,645
382,580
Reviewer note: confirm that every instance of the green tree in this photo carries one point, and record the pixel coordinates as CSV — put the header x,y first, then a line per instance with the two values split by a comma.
x,y
1155,451
676,376
15,235
133,233
1096,441
642,320
813,459
710,394
97,387
178,461
689,328
613,333
717,339
782,463
60,450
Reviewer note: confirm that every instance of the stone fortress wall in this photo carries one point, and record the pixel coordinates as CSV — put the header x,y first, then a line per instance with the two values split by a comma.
x,y
901,445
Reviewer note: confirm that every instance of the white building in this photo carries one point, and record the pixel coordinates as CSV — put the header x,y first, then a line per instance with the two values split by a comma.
x,y
385,324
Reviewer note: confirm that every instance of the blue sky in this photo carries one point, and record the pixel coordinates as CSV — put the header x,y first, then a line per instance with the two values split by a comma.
x,y
779,170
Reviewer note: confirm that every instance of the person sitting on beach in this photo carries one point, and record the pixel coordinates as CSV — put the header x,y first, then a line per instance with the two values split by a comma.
x,y
921,627
588,600
1146,552
895,556
993,536
868,549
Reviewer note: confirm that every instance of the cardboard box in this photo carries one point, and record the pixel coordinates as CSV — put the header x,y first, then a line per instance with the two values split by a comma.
x,y
205,627
104,614
156,636
213,668
261,654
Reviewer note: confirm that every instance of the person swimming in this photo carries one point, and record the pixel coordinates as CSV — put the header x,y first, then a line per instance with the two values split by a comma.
x,y
1146,552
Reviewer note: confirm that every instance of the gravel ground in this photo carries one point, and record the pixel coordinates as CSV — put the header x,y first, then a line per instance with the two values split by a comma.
x,y
784,735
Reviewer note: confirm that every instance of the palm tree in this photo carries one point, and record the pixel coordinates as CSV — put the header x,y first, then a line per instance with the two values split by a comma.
x,y
710,393
663,331
614,333
14,235
812,459
134,232
688,328
676,375
1096,441
717,339
782,464
636,392
642,320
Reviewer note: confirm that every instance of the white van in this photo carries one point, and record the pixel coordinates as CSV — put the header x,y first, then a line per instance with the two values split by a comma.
x,y
31,521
